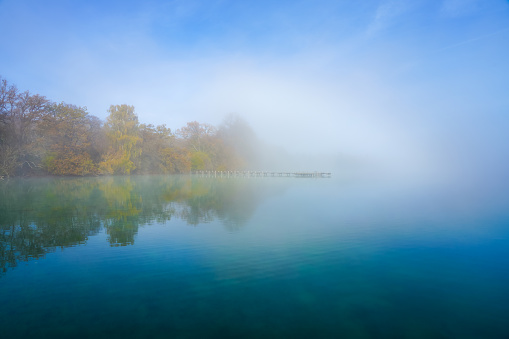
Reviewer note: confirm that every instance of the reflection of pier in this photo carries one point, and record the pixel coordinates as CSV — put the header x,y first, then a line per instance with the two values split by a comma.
x,y
249,174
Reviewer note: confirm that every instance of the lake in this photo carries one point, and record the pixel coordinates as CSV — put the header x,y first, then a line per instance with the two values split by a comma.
x,y
199,257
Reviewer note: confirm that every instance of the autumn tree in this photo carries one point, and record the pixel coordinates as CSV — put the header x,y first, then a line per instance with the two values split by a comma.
x,y
19,116
240,139
66,133
64,139
122,130
98,141
197,136
8,97
8,157
199,139
161,153
175,160
155,139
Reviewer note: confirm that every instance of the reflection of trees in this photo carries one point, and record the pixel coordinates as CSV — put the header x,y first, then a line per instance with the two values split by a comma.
x,y
39,215
123,208
229,200
36,218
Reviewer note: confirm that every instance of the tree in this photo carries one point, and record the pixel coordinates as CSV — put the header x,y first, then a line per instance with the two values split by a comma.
x,y
8,157
162,152
66,133
19,115
155,139
65,140
97,138
197,136
201,142
122,130
8,96
241,141
175,160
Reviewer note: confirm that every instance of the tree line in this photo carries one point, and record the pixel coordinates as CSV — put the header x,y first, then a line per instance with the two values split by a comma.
x,y
38,136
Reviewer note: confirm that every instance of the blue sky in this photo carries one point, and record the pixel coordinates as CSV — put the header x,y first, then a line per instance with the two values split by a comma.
x,y
420,82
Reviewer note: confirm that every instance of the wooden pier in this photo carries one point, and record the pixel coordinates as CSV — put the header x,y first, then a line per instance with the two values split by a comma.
x,y
250,174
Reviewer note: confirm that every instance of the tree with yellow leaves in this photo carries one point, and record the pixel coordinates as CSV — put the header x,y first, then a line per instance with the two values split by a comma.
x,y
122,129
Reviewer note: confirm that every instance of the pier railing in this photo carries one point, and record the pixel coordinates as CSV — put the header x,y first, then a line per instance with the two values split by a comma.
x,y
249,174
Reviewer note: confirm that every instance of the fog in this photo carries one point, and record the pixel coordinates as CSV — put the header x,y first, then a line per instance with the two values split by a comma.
x,y
413,90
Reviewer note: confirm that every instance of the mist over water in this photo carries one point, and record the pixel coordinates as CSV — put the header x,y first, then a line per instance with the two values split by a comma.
x,y
416,90
405,103
352,255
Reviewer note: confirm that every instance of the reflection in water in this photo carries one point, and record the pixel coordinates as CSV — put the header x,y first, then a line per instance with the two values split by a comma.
x,y
323,259
39,215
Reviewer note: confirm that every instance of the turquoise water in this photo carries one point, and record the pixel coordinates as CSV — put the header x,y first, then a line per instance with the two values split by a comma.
x,y
192,257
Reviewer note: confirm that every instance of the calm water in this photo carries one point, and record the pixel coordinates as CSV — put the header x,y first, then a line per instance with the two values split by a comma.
x,y
191,257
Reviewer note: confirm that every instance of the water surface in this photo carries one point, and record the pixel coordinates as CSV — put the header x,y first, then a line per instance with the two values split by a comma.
x,y
193,257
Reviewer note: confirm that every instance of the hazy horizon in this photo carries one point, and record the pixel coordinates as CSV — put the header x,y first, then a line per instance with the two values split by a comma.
x,y
418,87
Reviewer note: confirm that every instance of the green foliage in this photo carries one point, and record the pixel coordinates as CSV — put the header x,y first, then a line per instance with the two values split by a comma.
x,y
48,162
200,161
122,129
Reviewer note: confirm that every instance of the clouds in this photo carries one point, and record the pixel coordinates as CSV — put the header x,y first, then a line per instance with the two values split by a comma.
x,y
387,13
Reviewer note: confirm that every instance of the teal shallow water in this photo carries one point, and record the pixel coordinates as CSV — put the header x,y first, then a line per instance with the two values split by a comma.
x,y
190,257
